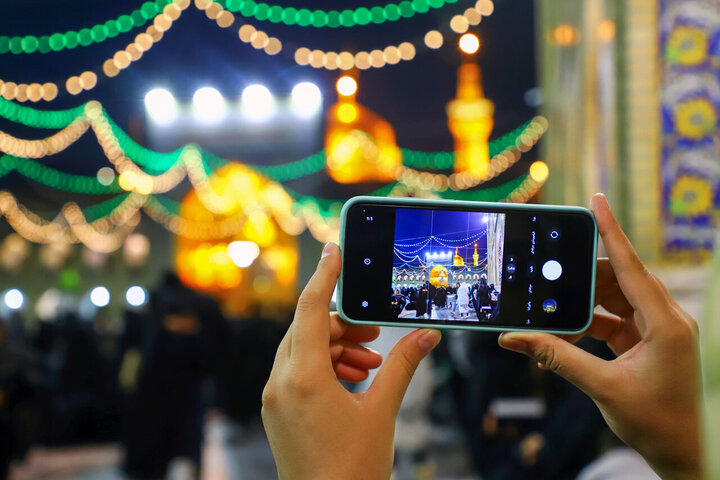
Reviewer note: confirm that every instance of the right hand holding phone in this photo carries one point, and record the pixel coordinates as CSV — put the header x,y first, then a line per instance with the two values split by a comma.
x,y
649,394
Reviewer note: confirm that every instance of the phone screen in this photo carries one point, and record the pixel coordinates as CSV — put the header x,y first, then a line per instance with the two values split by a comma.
x,y
492,266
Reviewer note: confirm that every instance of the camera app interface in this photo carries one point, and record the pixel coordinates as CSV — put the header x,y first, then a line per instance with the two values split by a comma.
x,y
468,267
447,265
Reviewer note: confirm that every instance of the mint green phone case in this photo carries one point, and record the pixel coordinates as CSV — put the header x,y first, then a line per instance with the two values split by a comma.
x,y
456,203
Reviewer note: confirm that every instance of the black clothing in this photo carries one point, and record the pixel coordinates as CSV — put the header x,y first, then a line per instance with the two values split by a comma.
x,y
187,345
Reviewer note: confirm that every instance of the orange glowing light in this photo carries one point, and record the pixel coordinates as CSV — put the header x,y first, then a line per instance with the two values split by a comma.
x,y
347,113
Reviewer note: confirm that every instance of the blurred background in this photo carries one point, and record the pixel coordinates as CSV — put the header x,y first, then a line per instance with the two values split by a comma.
x,y
170,170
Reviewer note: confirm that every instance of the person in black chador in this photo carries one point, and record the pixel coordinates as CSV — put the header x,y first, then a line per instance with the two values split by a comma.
x,y
440,297
187,343
423,298
483,298
397,303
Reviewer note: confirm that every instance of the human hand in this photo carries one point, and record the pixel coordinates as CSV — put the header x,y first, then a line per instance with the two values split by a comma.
x,y
649,394
316,428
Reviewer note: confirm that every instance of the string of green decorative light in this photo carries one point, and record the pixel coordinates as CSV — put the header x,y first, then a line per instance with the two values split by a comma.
x,y
305,17
293,170
445,160
85,36
31,117
55,179
157,162
492,194
328,207
104,209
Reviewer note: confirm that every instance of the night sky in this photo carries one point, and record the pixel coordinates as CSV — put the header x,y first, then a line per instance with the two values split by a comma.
x,y
415,226
196,52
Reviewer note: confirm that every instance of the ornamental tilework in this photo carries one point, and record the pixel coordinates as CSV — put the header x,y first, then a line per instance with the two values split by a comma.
x,y
690,46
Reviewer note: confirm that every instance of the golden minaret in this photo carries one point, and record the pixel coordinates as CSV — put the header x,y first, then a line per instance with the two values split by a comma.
x,y
470,119
475,256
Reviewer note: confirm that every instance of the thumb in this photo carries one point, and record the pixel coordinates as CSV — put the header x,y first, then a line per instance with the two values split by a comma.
x,y
392,380
574,364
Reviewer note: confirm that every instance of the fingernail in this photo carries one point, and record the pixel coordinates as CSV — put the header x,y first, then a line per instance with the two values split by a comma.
x,y
513,341
428,341
599,197
327,249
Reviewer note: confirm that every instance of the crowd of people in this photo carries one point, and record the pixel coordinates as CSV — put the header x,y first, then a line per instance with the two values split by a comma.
x,y
462,301
146,387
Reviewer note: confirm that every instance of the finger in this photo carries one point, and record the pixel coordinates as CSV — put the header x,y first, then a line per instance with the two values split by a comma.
x,y
354,354
577,366
604,273
612,299
637,284
620,335
311,325
350,373
391,382
356,333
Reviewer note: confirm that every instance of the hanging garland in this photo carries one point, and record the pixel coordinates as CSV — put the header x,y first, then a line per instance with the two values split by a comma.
x,y
505,151
84,37
361,16
121,60
171,11
101,32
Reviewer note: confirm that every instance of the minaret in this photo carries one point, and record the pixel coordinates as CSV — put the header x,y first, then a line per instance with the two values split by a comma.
x,y
458,260
476,257
470,114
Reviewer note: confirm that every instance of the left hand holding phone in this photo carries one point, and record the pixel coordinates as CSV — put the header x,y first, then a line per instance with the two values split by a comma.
x,y
316,428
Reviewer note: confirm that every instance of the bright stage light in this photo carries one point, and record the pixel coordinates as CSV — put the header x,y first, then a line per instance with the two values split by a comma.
x,y
469,43
243,253
257,102
346,86
14,299
160,105
485,219
210,106
100,296
306,99
136,296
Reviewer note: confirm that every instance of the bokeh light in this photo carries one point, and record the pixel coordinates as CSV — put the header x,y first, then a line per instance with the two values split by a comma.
x,y
257,102
306,99
346,86
539,171
100,296
136,296
160,105
469,43
347,113
433,39
14,299
105,175
209,104
243,253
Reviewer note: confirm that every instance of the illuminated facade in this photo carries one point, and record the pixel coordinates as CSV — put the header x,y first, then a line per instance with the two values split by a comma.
x,y
257,266
360,145
458,260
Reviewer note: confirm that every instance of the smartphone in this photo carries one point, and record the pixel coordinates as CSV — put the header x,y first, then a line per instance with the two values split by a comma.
x,y
469,265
